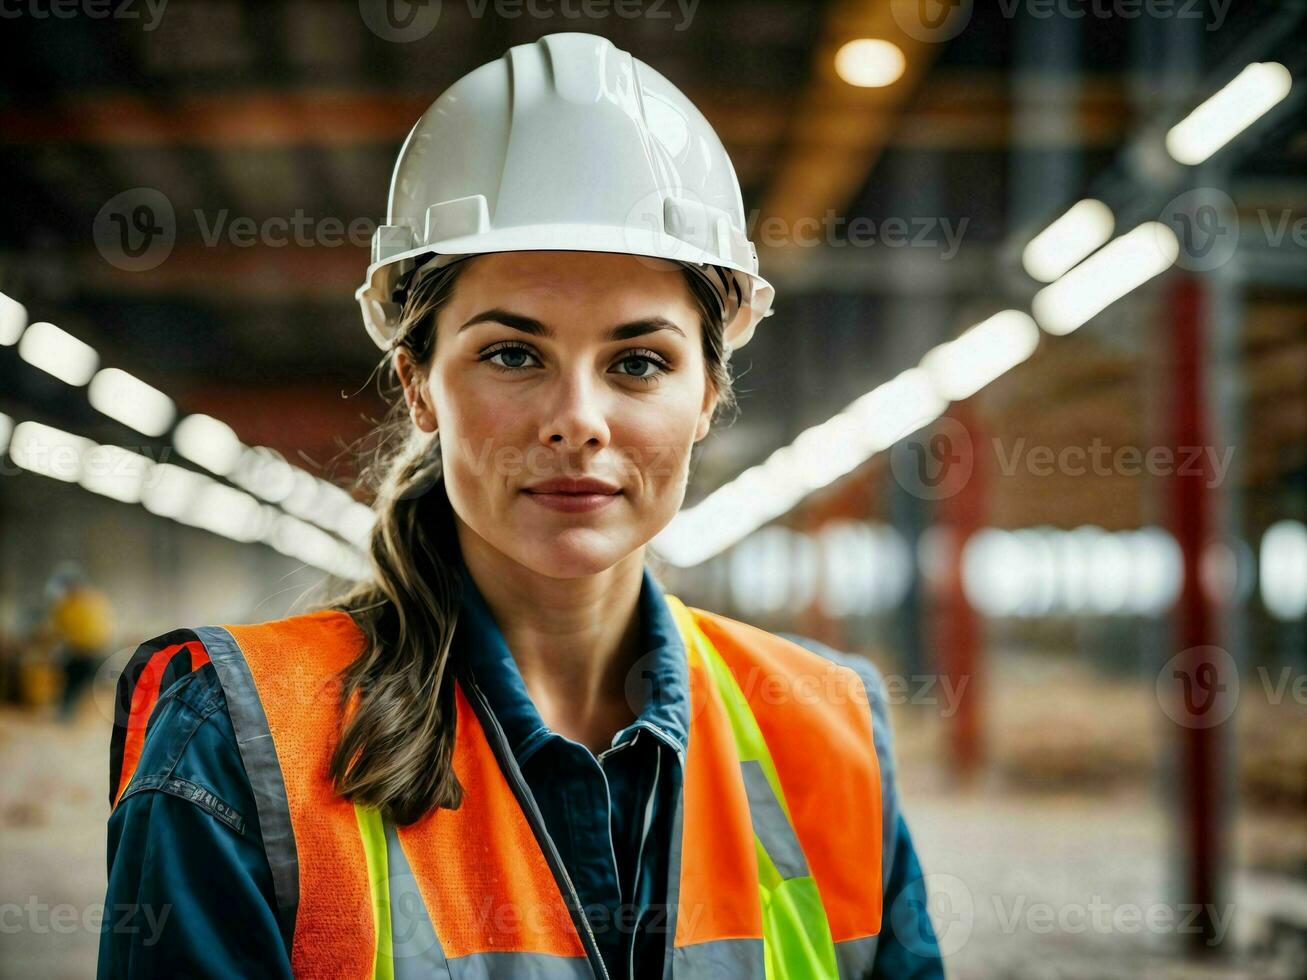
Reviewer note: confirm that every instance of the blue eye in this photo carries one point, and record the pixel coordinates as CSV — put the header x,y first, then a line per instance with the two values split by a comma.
x,y
649,358
511,350
511,355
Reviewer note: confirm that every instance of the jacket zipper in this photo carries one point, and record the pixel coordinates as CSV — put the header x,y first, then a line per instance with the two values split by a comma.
x,y
639,856
537,821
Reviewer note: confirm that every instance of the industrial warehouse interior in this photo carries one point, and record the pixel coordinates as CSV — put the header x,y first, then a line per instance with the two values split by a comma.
x,y
1023,431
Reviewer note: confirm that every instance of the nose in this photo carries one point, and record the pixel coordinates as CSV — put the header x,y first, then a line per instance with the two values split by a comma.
x,y
574,416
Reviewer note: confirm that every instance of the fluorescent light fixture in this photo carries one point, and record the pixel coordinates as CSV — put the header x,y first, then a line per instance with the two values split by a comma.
x,y
209,442
304,542
13,320
866,568
870,63
169,490
1088,571
59,353
773,571
1110,273
1157,570
819,456
897,409
1057,248
228,512
115,472
356,524
994,572
1244,99
265,473
331,506
132,402
49,451
1284,570
981,354
303,500
824,453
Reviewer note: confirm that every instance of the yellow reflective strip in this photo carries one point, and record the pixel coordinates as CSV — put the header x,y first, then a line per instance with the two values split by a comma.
x,y
798,943
768,877
373,833
749,743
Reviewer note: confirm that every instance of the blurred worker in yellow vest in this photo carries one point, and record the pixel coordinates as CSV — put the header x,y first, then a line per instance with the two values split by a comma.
x,y
82,620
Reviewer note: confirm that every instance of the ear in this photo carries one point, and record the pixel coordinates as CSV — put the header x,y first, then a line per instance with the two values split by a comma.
x,y
413,378
705,413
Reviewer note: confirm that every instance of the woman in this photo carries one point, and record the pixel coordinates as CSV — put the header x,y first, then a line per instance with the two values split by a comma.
x,y
510,753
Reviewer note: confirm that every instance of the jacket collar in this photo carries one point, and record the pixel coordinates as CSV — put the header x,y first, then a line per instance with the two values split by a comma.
x,y
660,679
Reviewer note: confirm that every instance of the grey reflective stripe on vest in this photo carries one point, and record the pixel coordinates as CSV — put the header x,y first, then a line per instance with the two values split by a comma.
x,y
770,823
414,946
259,756
719,959
418,954
520,966
855,957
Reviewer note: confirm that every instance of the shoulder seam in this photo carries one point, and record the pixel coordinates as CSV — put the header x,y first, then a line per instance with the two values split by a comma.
x,y
209,704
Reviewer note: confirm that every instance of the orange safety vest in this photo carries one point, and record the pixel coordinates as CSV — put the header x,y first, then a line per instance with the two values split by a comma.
x,y
775,865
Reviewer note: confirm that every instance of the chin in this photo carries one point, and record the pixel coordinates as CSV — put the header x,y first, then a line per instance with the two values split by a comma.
x,y
574,553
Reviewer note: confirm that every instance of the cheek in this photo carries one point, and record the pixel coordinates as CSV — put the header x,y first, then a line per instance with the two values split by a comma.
x,y
477,434
469,408
658,444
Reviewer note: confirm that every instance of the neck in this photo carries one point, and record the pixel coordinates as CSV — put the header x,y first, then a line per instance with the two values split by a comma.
x,y
574,640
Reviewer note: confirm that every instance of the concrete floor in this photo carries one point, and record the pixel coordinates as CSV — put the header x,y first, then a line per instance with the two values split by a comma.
x,y
1073,887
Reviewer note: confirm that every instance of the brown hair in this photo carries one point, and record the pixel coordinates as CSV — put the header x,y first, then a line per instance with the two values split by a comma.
x,y
395,751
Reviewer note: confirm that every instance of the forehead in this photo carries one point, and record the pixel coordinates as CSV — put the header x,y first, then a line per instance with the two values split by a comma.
x,y
601,286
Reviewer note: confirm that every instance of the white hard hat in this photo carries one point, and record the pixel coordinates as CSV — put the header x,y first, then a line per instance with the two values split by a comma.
x,y
567,143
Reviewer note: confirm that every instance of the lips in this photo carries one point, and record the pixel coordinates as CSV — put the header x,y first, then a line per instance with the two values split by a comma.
x,y
573,496
574,487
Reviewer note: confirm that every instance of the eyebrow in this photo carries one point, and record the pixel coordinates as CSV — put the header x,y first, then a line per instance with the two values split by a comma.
x,y
526,324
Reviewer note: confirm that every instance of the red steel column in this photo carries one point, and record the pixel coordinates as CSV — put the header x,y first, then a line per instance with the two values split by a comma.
x,y
1202,805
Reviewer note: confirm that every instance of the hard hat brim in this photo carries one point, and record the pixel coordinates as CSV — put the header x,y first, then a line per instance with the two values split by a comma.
x,y
380,312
